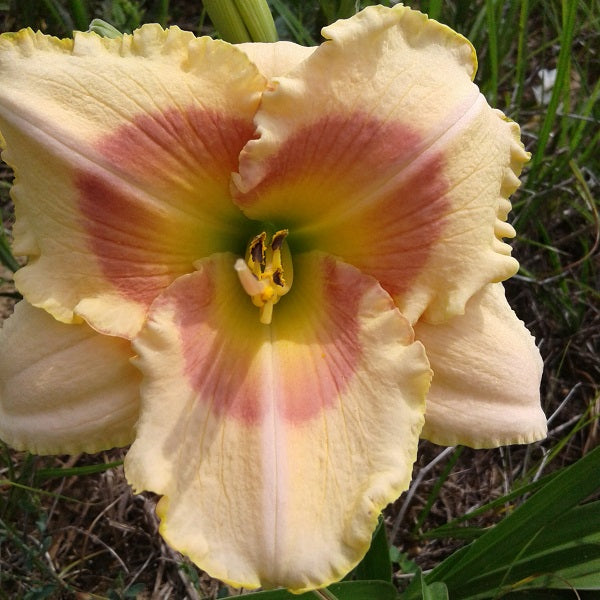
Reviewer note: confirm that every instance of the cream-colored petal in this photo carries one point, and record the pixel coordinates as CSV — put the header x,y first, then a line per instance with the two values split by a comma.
x,y
275,447
64,388
486,382
275,59
379,149
122,151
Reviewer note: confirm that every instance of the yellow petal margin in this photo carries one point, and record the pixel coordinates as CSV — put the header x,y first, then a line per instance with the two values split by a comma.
x,y
64,389
122,151
487,370
379,149
276,447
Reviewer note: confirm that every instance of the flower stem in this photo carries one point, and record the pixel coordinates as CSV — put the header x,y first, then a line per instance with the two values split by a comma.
x,y
242,21
227,20
258,20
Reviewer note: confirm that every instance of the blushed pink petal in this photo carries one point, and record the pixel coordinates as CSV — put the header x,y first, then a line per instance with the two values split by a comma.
x,y
122,151
64,388
379,149
276,446
486,383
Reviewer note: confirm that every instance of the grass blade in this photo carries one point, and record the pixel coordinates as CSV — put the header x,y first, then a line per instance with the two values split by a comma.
x,y
521,59
300,33
80,15
515,532
60,15
436,488
435,9
160,12
560,85
346,9
6,257
45,474
492,26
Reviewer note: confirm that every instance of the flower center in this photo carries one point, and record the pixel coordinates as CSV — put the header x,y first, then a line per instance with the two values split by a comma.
x,y
261,273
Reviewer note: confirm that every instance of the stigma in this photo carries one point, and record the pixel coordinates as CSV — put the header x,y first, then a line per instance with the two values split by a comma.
x,y
266,273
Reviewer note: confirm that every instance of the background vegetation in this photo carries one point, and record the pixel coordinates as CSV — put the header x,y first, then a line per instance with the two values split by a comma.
x,y
70,527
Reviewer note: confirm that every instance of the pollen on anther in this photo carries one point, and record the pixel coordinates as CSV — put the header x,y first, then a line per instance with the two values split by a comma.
x,y
257,250
278,238
278,278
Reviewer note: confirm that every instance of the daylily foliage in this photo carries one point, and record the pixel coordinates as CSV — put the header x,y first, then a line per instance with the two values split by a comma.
x,y
299,249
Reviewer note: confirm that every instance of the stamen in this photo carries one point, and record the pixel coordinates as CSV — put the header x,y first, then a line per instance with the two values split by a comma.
x,y
276,245
257,254
262,272
278,239
278,277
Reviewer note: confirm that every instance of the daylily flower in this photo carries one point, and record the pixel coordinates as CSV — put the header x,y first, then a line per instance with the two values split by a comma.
x,y
272,226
